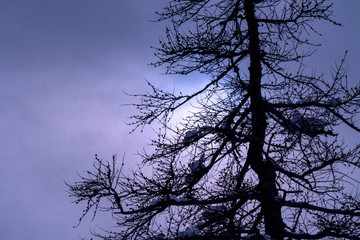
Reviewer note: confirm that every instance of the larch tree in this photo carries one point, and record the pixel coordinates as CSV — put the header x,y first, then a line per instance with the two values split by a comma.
x,y
259,155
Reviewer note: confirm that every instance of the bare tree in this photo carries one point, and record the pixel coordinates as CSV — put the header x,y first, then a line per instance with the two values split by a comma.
x,y
260,156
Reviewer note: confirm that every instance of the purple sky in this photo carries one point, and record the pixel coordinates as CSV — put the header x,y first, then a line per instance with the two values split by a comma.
x,y
64,65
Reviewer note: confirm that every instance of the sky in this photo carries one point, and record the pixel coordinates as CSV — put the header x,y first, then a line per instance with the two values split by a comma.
x,y
64,68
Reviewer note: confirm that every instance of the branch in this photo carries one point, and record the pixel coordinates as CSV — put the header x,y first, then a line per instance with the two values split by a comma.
x,y
308,206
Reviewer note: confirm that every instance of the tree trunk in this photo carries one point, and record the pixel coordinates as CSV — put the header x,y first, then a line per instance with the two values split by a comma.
x,y
271,210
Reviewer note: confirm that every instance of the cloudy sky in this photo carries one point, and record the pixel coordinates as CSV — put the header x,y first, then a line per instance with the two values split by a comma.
x,y
64,67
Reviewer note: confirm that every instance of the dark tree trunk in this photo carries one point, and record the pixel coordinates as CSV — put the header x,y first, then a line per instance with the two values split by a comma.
x,y
271,210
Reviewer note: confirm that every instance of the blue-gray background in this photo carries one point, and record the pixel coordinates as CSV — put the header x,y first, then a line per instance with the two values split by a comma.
x,y
64,67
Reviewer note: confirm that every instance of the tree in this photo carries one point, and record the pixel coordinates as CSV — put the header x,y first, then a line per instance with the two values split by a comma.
x,y
259,157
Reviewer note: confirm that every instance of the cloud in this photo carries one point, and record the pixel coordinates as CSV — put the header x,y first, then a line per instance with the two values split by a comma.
x,y
63,68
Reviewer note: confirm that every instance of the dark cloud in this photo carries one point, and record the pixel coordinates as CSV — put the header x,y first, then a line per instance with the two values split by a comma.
x,y
77,32
63,68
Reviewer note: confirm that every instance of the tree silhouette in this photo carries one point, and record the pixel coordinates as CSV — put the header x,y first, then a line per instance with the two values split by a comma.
x,y
259,157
